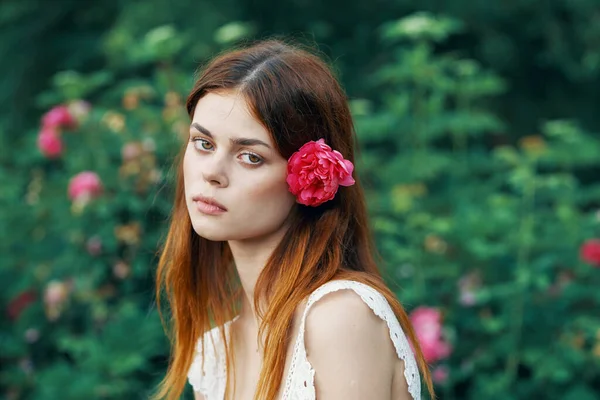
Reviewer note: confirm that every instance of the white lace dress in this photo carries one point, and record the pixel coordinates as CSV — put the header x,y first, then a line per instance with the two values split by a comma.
x,y
299,384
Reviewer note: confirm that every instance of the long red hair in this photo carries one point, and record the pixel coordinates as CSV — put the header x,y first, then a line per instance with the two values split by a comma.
x,y
293,93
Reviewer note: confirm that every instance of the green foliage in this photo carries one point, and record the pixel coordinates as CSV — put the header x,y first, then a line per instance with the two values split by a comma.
x,y
487,232
482,184
102,338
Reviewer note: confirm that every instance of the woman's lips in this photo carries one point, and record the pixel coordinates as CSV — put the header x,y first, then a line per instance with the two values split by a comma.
x,y
207,205
209,209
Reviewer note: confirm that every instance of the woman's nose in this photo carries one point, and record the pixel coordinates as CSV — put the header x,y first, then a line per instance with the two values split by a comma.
x,y
213,172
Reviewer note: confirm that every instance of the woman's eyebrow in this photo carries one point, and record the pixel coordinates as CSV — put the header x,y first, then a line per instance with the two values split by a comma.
x,y
235,141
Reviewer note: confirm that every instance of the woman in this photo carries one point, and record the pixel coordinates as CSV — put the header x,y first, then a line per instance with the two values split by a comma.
x,y
268,265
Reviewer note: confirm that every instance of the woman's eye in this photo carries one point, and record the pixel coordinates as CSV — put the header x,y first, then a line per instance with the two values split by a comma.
x,y
205,145
200,144
253,158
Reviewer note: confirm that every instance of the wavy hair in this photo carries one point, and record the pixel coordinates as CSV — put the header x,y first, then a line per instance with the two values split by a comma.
x,y
294,94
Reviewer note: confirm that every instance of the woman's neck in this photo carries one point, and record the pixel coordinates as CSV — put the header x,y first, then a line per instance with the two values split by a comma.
x,y
250,258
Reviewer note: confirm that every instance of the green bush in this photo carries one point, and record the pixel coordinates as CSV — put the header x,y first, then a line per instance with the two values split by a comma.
x,y
88,256
483,228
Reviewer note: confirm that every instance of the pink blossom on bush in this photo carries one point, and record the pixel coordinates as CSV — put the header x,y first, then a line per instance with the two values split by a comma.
x,y
426,317
55,293
26,366
84,186
94,246
58,117
55,296
428,328
467,298
121,269
79,110
49,143
468,286
590,252
562,280
31,335
440,374
131,151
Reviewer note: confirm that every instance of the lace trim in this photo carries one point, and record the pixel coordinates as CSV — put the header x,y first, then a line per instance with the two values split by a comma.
x,y
210,382
299,383
302,386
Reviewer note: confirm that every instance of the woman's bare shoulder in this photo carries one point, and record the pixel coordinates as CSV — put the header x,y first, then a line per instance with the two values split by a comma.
x,y
349,348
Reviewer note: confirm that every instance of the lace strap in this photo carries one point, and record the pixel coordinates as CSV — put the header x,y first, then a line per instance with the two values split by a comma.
x,y
378,303
208,378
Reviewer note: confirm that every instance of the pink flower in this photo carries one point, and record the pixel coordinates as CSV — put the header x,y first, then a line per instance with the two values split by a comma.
x,y
49,142
84,186
131,151
590,252
55,297
58,117
79,110
315,172
440,374
467,298
94,246
32,335
121,269
55,293
563,280
468,287
428,328
426,317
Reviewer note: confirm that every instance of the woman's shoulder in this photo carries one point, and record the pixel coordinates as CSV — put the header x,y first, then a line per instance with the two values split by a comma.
x,y
341,295
345,316
349,324
348,302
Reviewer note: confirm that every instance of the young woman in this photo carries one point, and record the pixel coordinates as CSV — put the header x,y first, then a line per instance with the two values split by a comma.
x,y
268,265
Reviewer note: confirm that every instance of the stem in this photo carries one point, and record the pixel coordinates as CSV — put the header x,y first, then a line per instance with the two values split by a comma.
x,y
419,272
522,279
459,136
167,67
418,146
419,110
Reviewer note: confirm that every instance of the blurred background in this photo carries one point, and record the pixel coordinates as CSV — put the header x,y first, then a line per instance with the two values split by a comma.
x,y
478,123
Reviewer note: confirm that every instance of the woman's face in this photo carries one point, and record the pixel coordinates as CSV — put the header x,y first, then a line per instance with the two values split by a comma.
x,y
231,159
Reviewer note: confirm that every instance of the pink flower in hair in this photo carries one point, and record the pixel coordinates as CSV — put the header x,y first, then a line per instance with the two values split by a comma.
x,y
316,171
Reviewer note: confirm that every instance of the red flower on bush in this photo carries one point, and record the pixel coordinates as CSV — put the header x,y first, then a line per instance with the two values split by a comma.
x,y
18,304
316,171
85,186
590,252
58,117
428,328
49,142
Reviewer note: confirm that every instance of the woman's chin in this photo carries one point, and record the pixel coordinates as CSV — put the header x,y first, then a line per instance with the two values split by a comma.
x,y
209,234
